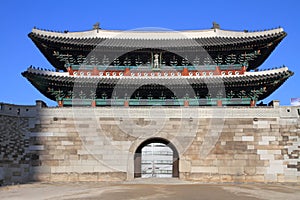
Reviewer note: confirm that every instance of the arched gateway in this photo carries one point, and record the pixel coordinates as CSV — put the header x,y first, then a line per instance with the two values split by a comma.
x,y
138,156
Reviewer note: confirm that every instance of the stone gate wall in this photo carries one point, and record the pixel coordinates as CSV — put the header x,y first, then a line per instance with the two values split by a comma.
x,y
229,144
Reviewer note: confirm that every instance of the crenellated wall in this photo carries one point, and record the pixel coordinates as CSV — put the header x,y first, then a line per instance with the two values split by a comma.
x,y
229,144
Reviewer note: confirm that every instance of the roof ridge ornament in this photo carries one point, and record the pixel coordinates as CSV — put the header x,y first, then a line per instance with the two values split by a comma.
x,y
216,26
96,26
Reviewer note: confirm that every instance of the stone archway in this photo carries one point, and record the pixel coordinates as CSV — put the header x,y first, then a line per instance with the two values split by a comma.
x,y
138,156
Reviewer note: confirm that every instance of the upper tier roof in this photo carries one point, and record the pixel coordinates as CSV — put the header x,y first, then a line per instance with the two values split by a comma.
x,y
159,39
215,42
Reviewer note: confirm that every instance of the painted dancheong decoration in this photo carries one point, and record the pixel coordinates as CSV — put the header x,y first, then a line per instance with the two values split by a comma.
x,y
139,68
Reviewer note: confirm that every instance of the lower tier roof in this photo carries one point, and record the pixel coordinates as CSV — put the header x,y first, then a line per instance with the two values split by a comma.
x,y
256,85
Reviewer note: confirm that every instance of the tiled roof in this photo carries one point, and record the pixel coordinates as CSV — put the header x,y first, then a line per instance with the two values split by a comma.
x,y
156,39
158,34
249,77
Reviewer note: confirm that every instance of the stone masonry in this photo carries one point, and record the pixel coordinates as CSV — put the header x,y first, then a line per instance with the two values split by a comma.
x,y
228,144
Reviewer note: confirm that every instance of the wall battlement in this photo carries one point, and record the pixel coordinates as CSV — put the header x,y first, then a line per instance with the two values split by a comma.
x,y
228,144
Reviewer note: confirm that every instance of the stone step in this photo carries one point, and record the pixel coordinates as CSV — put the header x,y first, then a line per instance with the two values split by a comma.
x,y
165,181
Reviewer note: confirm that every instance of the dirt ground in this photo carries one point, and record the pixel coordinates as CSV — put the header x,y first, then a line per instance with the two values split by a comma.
x,y
146,191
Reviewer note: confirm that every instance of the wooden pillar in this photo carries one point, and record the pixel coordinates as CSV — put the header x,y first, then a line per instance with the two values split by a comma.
x,y
219,103
60,103
95,71
218,70
93,103
244,68
252,103
127,71
126,103
185,71
186,103
70,70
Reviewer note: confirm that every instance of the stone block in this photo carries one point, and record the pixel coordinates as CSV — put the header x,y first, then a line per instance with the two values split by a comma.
x,y
226,178
238,178
59,169
237,138
255,162
275,126
231,170
82,169
102,168
50,163
270,177
255,179
240,156
231,163
184,165
268,138
112,176
203,162
87,177
267,157
263,142
83,152
248,138
253,157
280,178
67,143
204,169
73,177
204,177
16,173
59,177
58,156
262,151
222,156
275,169
263,124
250,170
90,162
274,151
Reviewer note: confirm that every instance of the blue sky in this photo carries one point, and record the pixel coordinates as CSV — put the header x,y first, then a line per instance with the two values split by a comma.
x,y
17,51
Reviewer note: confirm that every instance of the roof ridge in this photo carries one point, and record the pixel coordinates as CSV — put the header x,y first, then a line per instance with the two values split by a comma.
x,y
163,30
154,35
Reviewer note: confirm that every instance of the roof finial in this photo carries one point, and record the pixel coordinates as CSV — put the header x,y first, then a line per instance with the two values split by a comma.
x,y
216,26
96,26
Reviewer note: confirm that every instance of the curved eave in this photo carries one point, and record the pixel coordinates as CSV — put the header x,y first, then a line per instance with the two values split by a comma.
x,y
157,42
272,79
211,40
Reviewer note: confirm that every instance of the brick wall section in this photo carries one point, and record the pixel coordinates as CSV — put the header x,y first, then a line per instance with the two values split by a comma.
x,y
15,156
16,145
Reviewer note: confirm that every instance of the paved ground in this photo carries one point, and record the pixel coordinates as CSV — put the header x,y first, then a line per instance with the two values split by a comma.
x,y
143,190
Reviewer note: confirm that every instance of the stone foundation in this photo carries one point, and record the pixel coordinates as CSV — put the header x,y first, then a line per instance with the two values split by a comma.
x,y
215,144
